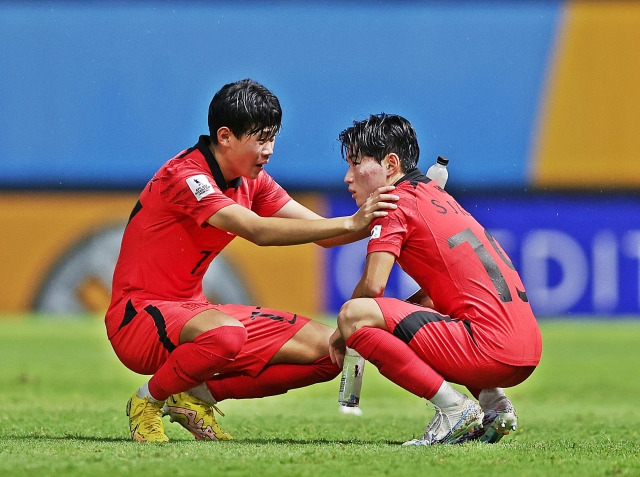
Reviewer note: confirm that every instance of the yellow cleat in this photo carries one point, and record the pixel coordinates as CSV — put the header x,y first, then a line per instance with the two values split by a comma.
x,y
195,416
145,420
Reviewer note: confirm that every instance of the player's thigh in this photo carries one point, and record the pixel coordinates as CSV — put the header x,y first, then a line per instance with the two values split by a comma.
x,y
447,345
205,321
440,341
309,344
268,332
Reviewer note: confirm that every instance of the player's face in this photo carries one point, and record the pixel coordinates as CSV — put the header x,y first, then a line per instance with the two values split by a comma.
x,y
363,177
251,154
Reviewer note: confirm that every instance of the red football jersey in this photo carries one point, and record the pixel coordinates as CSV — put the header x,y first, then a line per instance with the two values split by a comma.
x,y
168,245
461,267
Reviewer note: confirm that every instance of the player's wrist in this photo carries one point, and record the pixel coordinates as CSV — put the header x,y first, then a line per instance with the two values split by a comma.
x,y
351,224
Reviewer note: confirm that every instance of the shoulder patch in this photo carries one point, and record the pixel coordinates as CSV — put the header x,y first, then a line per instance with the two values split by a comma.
x,y
200,186
375,231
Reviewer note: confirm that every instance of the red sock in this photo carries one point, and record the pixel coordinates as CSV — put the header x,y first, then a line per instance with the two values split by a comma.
x,y
396,361
274,379
192,363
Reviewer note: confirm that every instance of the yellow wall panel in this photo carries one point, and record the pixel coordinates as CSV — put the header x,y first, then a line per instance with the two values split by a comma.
x,y
38,228
589,135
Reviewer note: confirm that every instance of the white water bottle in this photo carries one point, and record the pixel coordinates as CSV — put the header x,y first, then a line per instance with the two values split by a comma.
x,y
351,380
438,172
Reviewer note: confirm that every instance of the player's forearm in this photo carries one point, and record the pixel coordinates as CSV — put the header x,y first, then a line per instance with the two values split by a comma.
x,y
276,231
368,289
343,239
375,276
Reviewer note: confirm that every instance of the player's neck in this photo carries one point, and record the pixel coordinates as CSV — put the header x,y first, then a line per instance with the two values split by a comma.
x,y
391,180
223,162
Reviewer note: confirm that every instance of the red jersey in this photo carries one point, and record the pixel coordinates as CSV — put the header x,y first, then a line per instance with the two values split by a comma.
x,y
461,267
168,244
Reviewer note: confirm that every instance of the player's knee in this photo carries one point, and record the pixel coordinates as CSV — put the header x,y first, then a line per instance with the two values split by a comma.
x,y
224,341
351,317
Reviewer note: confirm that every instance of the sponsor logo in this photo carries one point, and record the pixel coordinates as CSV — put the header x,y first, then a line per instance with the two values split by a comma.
x,y
255,314
200,186
192,306
375,231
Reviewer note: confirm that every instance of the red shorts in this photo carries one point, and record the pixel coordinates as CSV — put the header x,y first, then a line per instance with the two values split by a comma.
x,y
448,346
150,329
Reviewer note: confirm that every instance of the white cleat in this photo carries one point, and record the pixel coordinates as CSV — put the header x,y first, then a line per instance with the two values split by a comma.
x,y
497,423
448,425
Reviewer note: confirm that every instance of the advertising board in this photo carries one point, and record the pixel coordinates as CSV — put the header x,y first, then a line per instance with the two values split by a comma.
x,y
577,254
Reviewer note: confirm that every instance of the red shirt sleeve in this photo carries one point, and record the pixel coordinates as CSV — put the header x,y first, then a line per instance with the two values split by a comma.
x,y
192,192
389,233
269,196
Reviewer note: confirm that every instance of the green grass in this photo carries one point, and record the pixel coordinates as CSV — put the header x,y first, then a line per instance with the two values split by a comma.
x,y
64,391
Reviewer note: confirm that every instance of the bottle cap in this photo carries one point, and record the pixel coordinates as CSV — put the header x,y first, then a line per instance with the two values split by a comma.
x,y
442,160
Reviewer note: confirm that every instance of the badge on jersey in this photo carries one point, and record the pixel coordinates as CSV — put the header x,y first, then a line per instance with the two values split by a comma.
x,y
375,231
200,186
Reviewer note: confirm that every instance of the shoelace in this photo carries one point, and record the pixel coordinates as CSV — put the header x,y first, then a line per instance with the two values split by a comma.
x,y
217,409
436,423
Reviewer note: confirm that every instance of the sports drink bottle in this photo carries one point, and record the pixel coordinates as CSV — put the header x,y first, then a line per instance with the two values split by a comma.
x,y
351,380
438,172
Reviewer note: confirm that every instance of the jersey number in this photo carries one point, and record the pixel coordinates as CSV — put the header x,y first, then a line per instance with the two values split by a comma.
x,y
205,255
489,264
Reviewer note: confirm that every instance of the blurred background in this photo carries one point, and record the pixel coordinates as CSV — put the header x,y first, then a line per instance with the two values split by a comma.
x,y
536,104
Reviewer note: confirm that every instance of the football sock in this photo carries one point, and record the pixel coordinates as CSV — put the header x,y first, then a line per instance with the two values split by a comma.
x,y
143,392
202,392
274,379
192,363
490,398
396,361
446,396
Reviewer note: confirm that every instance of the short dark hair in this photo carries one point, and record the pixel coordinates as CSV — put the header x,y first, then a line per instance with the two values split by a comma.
x,y
245,107
380,135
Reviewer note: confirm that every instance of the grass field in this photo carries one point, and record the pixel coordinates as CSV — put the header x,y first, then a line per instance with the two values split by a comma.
x,y
64,393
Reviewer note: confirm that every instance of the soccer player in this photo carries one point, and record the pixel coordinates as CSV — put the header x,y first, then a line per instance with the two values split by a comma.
x,y
160,323
469,323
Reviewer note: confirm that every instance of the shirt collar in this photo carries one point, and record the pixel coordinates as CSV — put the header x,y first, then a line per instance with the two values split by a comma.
x,y
203,147
413,176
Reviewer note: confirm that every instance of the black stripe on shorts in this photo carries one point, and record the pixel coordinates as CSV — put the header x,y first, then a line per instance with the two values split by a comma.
x,y
158,319
411,324
129,314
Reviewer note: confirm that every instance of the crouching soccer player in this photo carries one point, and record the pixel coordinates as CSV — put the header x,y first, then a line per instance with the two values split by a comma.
x,y
470,323
160,323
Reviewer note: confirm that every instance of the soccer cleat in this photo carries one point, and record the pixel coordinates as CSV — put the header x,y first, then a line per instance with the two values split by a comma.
x,y
449,424
195,416
497,423
145,420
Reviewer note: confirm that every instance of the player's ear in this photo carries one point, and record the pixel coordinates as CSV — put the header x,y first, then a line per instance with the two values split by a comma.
x,y
391,164
224,133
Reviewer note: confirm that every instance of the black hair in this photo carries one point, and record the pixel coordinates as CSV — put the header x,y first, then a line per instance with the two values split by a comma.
x,y
380,135
245,107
